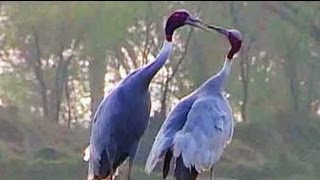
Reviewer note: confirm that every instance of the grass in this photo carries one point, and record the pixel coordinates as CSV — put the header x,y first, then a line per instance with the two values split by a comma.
x,y
280,149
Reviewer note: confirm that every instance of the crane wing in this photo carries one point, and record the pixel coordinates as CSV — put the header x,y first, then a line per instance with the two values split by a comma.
x,y
204,136
108,123
164,139
96,152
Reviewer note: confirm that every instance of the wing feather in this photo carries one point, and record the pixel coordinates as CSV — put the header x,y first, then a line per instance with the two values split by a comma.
x,y
164,139
205,134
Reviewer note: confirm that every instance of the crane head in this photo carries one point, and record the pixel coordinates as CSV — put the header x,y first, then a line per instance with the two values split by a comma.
x,y
179,18
234,36
235,39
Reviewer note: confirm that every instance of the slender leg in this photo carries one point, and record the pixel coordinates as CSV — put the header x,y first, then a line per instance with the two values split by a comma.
x,y
130,168
182,172
95,177
132,156
111,160
111,170
116,174
211,173
111,174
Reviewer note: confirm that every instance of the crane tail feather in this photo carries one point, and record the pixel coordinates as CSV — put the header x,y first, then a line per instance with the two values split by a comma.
x,y
152,159
151,163
90,175
161,145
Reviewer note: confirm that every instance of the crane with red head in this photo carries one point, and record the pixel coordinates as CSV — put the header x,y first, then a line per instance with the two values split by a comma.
x,y
200,126
123,115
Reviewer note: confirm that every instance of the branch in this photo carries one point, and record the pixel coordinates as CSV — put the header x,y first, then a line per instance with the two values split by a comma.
x,y
120,58
132,55
62,75
68,104
244,63
59,79
145,49
73,89
36,64
286,14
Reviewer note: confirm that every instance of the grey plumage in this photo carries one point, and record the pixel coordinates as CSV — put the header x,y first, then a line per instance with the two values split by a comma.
x,y
198,129
123,115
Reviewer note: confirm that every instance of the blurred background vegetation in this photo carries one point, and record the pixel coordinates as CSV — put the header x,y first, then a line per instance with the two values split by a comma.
x,y
58,59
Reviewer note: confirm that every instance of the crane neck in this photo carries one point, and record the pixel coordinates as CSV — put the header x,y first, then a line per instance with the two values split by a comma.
x,y
151,69
216,83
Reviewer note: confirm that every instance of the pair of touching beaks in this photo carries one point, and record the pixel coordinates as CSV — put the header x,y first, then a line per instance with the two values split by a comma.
x,y
196,22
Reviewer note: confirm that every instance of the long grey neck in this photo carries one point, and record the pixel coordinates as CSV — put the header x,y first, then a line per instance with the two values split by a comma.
x,y
151,69
216,83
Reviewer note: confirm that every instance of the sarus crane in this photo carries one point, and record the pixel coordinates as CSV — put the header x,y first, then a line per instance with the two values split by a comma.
x,y
123,115
200,126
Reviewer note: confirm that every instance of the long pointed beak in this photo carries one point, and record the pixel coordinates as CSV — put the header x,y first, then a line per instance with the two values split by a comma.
x,y
218,29
192,21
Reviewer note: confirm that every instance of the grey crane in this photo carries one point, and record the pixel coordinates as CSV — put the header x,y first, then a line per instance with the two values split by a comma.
x,y
200,126
123,115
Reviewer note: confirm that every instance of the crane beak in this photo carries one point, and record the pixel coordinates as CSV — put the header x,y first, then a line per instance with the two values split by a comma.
x,y
195,22
218,29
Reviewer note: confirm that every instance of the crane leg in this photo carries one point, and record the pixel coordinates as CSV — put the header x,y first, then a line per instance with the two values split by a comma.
x,y
111,171
111,174
132,156
211,173
184,173
130,168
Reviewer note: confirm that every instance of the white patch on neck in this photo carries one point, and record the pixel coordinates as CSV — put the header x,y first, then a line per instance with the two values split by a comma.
x,y
166,49
227,65
167,45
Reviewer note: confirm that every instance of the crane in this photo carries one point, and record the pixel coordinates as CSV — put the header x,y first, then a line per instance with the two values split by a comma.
x,y
200,126
123,115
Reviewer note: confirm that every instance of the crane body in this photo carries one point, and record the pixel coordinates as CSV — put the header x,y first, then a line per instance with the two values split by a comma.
x,y
123,115
200,126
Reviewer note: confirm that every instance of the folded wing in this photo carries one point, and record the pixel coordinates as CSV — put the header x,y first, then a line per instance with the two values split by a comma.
x,y
164,139
204,136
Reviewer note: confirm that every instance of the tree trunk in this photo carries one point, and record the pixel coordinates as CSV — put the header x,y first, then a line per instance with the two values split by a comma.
x,y
244,63
97,72
34,60
62,74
